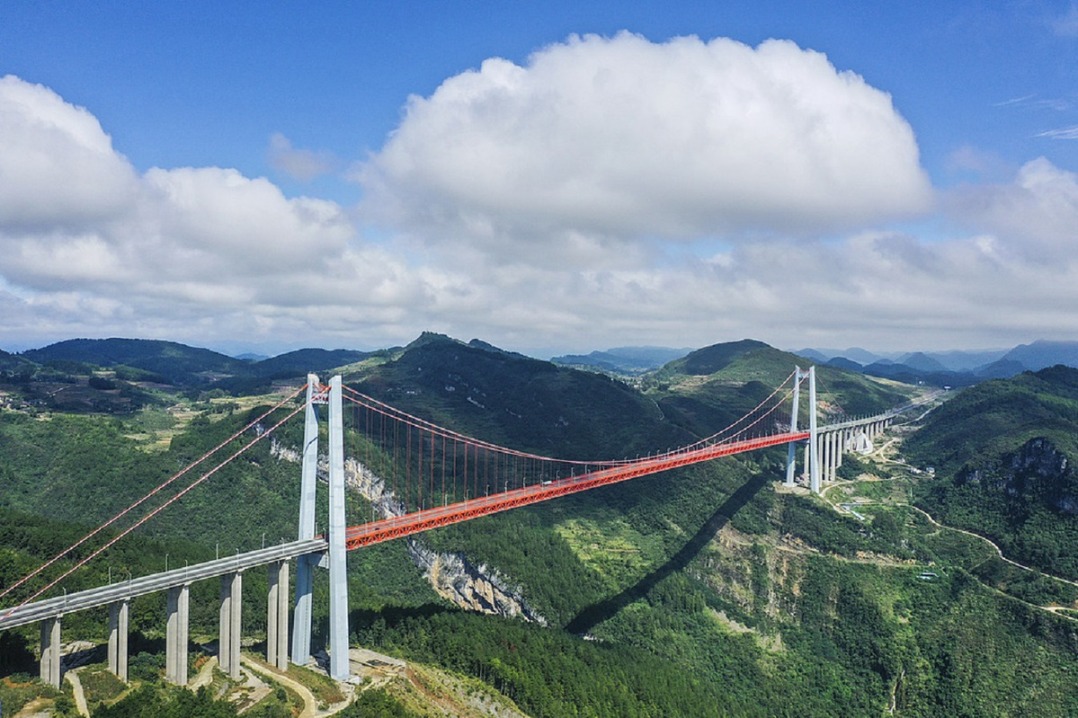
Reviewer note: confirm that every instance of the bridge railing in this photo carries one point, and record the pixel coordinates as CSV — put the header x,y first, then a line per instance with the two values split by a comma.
x,y
854,423
120,591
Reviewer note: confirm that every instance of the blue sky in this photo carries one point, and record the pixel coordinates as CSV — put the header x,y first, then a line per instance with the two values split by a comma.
x,y
256,177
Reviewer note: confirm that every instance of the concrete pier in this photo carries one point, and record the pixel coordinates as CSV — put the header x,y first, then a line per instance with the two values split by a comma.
x,y
277,616
176,635
791,450
230,630
301,619
814,436
50,652
338,567
833,441
118,631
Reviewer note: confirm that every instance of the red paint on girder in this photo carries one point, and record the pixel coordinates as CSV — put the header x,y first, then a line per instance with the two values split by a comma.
x,y
419,521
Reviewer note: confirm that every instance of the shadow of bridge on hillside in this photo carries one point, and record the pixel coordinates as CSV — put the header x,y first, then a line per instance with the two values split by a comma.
x,y
595,614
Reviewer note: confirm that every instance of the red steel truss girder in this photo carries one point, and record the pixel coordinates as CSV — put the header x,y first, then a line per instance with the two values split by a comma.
x,y
426,519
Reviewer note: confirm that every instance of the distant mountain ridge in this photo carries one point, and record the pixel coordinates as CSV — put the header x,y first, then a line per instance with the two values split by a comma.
x,y
955,368
180,365
954,360
172,363
1042,354
623,360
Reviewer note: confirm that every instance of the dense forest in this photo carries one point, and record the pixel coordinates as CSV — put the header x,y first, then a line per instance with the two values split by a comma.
x,y
699,592
1003,454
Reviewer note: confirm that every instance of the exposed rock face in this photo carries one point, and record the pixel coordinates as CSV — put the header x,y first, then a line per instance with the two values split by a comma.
x,y
1037,470
282,452
476,588
356,475
371,487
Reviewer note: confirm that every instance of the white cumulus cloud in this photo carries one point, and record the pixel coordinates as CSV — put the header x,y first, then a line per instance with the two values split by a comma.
x,y
92,247
621,137
57,166
1035,217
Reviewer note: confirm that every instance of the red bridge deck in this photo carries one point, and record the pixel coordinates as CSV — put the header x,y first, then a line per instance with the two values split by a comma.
x,y
419,521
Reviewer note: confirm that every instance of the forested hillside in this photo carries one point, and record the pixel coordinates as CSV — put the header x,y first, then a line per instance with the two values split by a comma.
x,y
698,592
121,376
711,387
1003,454
708,570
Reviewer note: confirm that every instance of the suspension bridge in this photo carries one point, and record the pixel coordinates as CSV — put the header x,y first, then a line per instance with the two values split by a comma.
x,y
418,476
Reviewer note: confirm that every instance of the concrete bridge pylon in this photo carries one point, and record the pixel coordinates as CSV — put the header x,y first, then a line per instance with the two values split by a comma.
x,y
826,445
336,557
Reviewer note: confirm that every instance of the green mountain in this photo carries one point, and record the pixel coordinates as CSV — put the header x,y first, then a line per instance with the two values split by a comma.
x,y
121,376
703,591
999,416
304,361
708,569
711,387
174,363
517,401
10,364
1003,453
182,365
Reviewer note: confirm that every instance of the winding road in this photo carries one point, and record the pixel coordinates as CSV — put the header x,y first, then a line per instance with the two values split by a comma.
x,y
879,455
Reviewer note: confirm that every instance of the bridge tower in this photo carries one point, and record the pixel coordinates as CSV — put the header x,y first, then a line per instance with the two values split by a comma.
x,y
791,452
336,556
814,448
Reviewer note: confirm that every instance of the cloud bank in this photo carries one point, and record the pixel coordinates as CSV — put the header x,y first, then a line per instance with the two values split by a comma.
x,y
610,191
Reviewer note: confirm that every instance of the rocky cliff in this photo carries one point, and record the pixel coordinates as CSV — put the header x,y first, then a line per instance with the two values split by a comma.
x,y
476,588
1037,470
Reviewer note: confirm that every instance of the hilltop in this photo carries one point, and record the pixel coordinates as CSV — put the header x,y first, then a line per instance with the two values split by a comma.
x,y
126,375
708,590
710,387
160,361
518,401
183,366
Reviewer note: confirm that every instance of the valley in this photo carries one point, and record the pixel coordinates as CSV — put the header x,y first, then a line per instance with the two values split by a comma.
x,y
709,590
